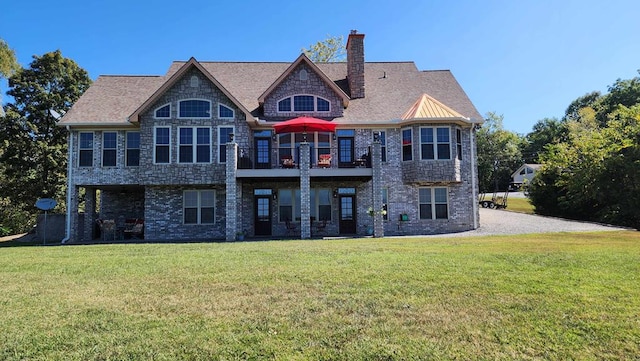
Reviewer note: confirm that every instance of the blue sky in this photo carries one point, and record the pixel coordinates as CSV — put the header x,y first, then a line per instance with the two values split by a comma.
x,y
526,60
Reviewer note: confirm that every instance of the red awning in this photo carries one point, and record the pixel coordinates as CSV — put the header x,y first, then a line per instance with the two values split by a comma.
x,y
304,125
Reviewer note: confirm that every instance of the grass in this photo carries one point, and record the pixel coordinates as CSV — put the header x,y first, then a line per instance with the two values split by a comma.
x,y
551,296
520,205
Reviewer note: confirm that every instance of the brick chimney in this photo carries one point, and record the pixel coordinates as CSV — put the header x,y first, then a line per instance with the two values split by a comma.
x,y
355,64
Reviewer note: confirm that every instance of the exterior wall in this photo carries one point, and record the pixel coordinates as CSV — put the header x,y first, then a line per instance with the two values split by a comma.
x,y
292,85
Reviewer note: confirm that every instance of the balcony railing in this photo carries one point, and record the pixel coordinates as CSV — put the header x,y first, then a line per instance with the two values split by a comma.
x,y
320,157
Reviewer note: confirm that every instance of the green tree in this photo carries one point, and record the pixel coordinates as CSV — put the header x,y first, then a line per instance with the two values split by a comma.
x,y
34,149
499,154
331,49
545,132
622,93
8,66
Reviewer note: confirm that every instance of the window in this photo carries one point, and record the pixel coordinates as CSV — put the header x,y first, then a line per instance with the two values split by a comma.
x,y
433,203
224,112
435,148
162,148
383,143
198,148
86,150
109,149
459,144
304,103
195,108
133,149
163,112
199,206
223,139
407,148
289,204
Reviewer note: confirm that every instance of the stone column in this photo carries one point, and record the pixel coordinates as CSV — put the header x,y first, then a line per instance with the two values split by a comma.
x,y
232,192
305,191
72,213
89,213
376,185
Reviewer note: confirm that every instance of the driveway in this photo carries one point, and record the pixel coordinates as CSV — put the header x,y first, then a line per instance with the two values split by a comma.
x,y
502,222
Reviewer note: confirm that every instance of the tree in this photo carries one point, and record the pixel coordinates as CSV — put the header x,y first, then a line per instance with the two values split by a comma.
x,y
545,132
33,148
499,154
8,66
331,49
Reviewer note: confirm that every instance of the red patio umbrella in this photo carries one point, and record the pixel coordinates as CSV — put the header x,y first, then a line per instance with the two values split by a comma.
x,y
304,125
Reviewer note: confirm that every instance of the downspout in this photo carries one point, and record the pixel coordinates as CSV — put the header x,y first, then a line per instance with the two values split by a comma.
x,y
474,176
69,174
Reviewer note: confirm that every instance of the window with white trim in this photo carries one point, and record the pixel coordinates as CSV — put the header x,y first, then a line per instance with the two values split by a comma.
x,y
304,103
225,112
435,143
85,146
133,149
383,143
407,146
459,144
163,111
194,145
109,149
194,109
199,206
223,139
433,203
162,145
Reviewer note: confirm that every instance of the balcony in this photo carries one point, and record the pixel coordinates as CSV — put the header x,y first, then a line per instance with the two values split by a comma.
x,y
285,162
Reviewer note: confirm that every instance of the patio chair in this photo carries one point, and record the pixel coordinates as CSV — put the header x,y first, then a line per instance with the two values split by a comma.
x,y
135,229
321,226
287,161
324,161
291,228
107,229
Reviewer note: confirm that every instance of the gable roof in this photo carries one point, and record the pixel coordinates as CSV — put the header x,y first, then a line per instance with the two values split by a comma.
x,y
392,89
192,63
304,59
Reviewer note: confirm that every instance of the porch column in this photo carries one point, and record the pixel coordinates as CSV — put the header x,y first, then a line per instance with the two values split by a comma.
x,y
232,192
72,213
305,191
89,213
376,184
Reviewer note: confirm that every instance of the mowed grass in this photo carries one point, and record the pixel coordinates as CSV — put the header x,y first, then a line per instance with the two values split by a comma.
x,y
551,296
520,205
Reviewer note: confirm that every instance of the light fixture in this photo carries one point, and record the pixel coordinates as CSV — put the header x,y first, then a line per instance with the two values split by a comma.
x,y
275,196
335,193
230,137
376,136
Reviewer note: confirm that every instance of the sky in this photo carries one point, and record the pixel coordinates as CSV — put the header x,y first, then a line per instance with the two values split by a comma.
x,y
525,60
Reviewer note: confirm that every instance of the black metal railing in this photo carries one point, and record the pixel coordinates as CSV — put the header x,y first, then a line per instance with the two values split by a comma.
x,y
289,157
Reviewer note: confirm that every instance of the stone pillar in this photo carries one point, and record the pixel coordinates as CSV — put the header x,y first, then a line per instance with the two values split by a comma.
x,y
89,213
305,191
232,201
376,185
72,213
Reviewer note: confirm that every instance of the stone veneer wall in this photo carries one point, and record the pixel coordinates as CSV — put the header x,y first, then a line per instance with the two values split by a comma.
x,y
293,85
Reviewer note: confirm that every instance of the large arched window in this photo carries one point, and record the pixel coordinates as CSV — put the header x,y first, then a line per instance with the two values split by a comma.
x,y
303,103
194,108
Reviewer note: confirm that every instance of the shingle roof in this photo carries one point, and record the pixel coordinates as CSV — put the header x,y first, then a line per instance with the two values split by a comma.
x,y
391,90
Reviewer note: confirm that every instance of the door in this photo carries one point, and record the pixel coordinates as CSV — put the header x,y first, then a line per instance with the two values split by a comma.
x,y
263,153
262,218
345,152
347,220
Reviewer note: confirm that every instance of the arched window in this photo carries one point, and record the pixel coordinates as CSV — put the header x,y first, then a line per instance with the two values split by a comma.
x,y
224,112
304,103
163,111
194,108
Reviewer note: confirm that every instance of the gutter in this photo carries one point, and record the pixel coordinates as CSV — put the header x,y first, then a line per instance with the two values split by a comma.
x,y
69,176
474,173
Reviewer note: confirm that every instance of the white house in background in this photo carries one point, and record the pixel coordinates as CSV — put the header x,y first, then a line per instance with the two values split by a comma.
x,y
523,175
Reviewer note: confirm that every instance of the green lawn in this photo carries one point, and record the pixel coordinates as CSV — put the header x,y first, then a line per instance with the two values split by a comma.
x,y
552,296
521,205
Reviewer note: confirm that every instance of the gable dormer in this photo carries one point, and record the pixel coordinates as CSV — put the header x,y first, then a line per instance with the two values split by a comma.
x,y
303,89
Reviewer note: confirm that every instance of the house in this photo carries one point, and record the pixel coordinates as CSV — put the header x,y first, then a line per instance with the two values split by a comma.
x,y
192,154
523,175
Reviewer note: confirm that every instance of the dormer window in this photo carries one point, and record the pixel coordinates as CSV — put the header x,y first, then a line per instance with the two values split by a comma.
x,y
224,112
304,103
194,108
163,112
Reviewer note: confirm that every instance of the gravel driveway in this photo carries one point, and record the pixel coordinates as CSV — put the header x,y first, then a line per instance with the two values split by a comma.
x,y
501,222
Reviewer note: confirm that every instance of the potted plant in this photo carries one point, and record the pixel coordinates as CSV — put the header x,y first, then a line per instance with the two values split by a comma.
x,y
240,236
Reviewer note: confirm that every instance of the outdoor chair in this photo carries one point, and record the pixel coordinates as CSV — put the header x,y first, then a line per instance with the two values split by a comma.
x,y
321,226
135,229
291,228
324,161
287,161
107,229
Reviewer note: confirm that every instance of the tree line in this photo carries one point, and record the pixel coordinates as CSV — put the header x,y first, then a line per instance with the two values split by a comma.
x,y
33,149
590,157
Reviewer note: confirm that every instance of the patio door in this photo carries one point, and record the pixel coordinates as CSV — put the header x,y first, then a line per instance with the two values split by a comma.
x,y
345,151
262,215
263,153
347,222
